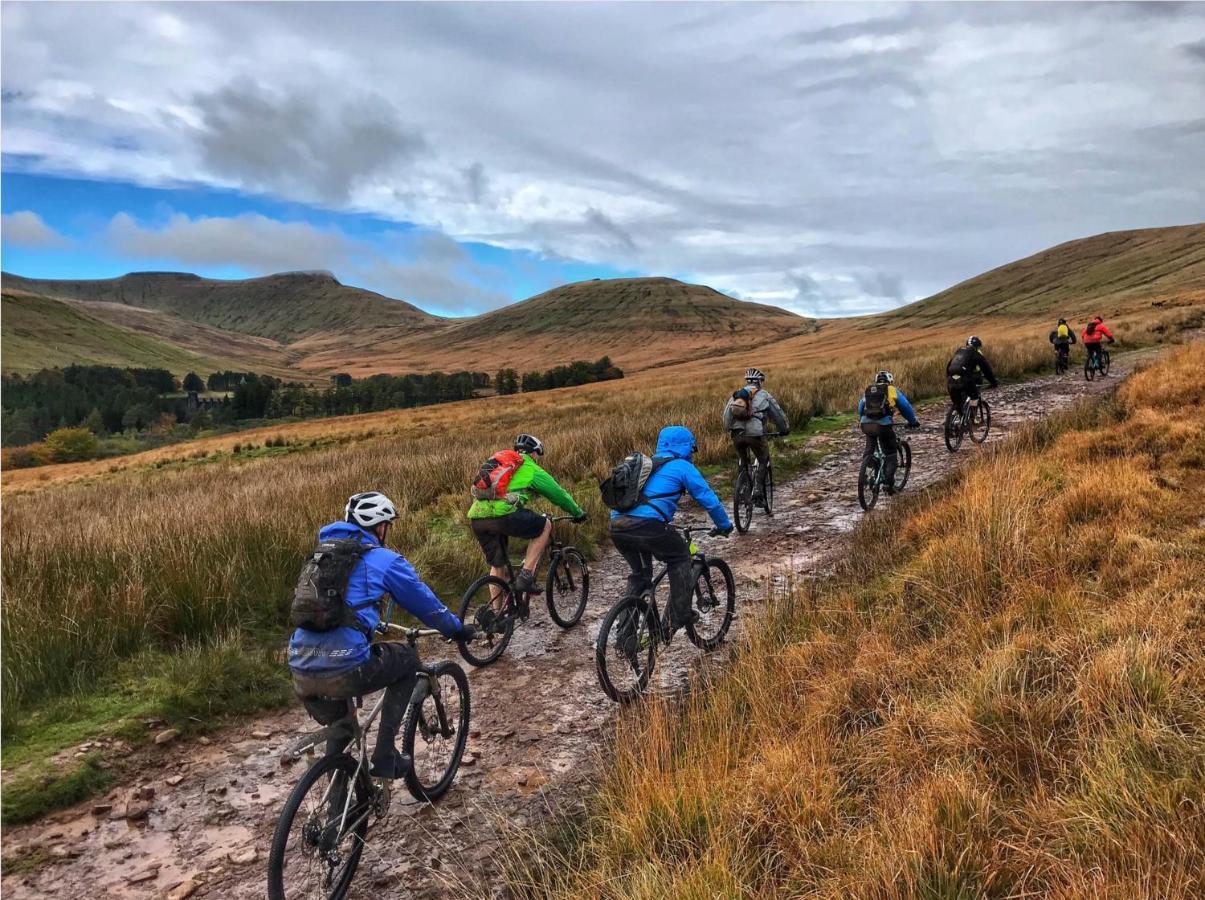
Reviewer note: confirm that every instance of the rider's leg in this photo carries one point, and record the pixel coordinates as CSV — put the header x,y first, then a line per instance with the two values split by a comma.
x,y
761,449
320,699
890,448
871,430
393,666
628,542
531,562
670,548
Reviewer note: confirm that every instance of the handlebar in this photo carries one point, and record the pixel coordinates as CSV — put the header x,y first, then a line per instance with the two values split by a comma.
x,y
412,634
552,518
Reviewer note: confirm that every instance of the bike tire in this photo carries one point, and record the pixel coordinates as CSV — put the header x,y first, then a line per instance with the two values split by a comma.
x,y
953,431
903,466
1089,369
568,579
1105,362
768,505
419,722
716,574
868,486
981,421
476,598
612,663
742,502
342,766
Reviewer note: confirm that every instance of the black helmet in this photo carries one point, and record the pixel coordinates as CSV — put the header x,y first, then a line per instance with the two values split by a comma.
x,y
526,443
973,341
1062,321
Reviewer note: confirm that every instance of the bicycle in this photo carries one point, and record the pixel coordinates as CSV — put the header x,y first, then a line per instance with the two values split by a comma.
x,y
323,827
625,653
1061,353
566,590
872,478
742,500
974,419
1097,363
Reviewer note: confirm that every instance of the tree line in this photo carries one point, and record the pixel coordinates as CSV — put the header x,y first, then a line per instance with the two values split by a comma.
x,y
509,381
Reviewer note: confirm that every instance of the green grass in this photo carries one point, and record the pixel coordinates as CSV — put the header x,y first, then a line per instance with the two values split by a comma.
x,y
45,788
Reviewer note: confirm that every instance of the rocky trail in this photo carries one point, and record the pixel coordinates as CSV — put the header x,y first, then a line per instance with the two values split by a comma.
x,y
200,823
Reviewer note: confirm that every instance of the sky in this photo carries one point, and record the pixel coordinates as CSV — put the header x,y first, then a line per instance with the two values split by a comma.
x,y
831,158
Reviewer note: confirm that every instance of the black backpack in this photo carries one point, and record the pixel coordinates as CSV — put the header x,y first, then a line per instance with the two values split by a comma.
x,y
319,600
963,362
876,402
623,489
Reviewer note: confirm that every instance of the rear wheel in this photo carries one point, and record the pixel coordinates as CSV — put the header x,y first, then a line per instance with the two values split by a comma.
x,y
626,650
1104,362
981,422
567,588
768,505
742,501
489,603
434,732
320,835
715,600
868,483
953,430
1089,369
903,465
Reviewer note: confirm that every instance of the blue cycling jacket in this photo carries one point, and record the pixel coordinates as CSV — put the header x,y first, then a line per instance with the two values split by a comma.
x,y
666,485
379,572
897,400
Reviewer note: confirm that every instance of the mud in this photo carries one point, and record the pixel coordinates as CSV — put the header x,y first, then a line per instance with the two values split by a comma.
x,y
538,720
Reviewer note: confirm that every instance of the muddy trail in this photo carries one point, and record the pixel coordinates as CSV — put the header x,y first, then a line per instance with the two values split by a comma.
x,y
200,823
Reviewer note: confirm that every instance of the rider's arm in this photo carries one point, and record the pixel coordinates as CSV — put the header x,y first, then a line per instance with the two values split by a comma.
x,y
545,485
1071,334
412,595
728,422
697,486
861,405
779,417
986,368
1103,329
905,407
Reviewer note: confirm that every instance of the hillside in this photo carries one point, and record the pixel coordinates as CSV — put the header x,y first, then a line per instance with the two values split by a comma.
x,y
1106,272
283,307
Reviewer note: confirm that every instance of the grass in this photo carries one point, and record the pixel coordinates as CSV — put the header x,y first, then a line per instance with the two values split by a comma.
x,y
1001,693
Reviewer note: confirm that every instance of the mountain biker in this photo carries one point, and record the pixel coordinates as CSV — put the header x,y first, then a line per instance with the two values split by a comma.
x,y
644,532
745,419
964,370
329,667
877,423
1093,332
1062,337
494,521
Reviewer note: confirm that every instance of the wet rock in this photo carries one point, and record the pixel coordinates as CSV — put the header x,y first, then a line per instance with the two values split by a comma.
x,y
183,890
204,741
244,857
136,809
145,793
167,736
144,875
261,734
101,809
467,761
174,780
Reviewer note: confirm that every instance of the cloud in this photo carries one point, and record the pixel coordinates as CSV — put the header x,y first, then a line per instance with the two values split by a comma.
x,y
26,229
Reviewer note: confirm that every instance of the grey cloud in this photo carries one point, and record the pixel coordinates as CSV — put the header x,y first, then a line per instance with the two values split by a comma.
x,y
1195,50
477,182
26,229
881,284
601,222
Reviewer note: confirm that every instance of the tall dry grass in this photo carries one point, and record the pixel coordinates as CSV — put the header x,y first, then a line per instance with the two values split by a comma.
x,y
1000,694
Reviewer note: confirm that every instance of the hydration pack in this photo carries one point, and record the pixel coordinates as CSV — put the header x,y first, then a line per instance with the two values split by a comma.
x,y
319,600
741,406
963,362
493,478
876,402
623,489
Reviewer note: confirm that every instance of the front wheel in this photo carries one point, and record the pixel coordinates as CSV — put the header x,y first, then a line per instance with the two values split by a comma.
x,y
489,603
320,836
742,502
903,464
953,430
626,650
868,483
981,421
715,600
768,505
1104,362
434,732
1089,369
567,588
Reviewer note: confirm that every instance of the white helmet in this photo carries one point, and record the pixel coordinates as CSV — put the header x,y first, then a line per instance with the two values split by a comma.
x,y
369,509
884,377
754,376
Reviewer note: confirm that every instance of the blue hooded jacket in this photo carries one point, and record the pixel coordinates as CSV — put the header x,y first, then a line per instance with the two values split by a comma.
x,y
896,400
666,485
379,572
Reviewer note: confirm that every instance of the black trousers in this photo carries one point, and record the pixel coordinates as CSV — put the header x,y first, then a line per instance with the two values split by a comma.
x,y
759,447
960,389
881,436
1093,348
392,667
639,541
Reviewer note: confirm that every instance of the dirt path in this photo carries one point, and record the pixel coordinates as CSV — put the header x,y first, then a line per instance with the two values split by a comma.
x,y
538,715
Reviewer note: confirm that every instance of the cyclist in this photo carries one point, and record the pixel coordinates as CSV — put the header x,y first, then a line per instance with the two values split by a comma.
x,y
329,667
1062,337
875,410
494,521
1093,332
964,371
745,418
644,532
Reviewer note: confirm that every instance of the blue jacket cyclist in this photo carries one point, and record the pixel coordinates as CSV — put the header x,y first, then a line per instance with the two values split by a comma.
x,y
642,533
330,666
877,423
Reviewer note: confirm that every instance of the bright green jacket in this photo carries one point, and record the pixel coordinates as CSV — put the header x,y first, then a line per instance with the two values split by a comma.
x,y
527,478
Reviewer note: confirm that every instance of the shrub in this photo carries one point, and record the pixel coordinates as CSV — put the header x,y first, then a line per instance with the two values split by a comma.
x,y
69,445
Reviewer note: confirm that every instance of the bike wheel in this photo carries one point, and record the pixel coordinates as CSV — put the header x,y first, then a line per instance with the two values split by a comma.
x,y
715,600
320,836
953,430
1089,369
1104,362
567,588
626,650
981,422
493,640
742,501
768,505
434,732
868,483
903,465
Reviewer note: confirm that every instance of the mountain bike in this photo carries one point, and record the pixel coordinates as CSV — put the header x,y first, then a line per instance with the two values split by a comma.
x,y
324,825
973,420
1097,363
742,500
625,653
566,590
873,477
1061,353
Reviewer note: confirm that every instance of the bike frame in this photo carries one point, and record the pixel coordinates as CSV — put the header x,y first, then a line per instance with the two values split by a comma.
x,y
556,549
698,562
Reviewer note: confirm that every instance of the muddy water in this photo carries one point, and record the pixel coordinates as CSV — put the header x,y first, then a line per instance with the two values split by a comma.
x,y
538,718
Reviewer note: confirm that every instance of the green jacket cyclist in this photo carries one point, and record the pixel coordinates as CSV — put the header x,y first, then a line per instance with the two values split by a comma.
x,y
494,521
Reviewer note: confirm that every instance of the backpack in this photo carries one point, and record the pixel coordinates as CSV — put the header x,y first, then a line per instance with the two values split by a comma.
x,y
741,408
319,598
623,489
493,478
876,402
963,362
1063,332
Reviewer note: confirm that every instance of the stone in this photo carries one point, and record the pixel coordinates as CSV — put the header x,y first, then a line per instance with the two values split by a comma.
x,y
183,890
137,809
244,857
144,875
100,809
175,780
167,736
204,741
145,793
261,734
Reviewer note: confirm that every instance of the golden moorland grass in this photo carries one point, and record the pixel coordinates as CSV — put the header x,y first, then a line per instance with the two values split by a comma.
x,y
1001,693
